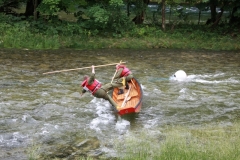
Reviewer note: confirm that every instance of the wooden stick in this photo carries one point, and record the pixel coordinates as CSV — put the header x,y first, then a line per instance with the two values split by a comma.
x,y
115,72
113,76
66,70
133,84
126,97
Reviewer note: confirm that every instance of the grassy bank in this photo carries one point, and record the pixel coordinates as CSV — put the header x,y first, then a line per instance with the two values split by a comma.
x,y
15,33
28,40
208,142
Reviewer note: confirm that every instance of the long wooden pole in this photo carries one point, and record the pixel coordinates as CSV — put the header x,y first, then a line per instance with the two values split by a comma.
x,y
66,70
115,72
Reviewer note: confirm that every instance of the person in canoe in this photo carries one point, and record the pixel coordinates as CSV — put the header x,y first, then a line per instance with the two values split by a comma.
x,y
122,72
91,84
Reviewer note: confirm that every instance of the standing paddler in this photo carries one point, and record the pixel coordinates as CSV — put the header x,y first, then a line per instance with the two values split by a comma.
x,y
122,72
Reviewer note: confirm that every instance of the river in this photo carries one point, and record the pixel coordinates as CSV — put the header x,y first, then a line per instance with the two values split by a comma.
x,y
44,113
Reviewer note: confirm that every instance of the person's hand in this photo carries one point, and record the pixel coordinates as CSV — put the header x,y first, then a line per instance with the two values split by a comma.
x,y
81,94
93,70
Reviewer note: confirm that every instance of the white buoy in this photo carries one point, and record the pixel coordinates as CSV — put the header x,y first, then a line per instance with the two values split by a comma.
x,y
180,75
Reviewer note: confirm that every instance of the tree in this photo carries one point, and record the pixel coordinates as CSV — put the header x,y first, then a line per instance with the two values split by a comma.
x,y
235,14
51,7
213,6
163,14
31,8
141,6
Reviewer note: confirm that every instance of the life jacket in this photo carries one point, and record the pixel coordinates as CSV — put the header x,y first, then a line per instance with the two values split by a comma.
x,y
91,87
125,71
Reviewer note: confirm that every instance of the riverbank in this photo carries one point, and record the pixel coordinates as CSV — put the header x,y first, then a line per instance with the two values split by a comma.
x,y
209,141
41,36
76,42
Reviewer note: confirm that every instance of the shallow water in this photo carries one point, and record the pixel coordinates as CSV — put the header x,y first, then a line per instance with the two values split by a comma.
x,y
47,111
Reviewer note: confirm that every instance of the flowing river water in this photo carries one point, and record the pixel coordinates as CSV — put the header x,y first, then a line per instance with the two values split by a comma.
x,y
46,113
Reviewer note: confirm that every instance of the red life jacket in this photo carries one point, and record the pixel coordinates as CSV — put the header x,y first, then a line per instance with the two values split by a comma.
x,y
91,87
125,71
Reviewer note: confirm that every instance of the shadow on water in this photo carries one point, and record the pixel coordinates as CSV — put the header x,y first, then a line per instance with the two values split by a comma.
x,y
130,117
44,114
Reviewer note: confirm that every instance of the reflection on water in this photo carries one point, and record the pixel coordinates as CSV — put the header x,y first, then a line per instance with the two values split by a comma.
x,y
47,109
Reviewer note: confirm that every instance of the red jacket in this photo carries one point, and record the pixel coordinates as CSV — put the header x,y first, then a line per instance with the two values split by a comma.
x,y
91,87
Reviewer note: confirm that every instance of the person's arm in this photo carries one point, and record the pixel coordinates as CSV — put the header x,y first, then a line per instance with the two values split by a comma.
x,y
92,77
118,74
83,91
93,69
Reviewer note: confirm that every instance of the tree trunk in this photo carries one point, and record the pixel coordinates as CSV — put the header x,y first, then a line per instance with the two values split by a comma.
x,y
218,17
163,15
213,6
128,8
31,8
35,9
139,18
199,16
234,19
213,12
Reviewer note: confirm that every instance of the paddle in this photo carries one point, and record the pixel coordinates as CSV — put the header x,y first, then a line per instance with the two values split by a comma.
x,y
126,97
133,84
66,70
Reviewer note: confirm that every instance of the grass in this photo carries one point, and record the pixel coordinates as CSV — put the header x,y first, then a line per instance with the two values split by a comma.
x,y
209,142
66,33
147,42
141,37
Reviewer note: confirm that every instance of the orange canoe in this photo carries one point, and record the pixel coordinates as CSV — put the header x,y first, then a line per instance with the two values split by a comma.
x,y
131,100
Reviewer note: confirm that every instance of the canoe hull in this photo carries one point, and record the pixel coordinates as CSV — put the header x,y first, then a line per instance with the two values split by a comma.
x,y
134,98
130,110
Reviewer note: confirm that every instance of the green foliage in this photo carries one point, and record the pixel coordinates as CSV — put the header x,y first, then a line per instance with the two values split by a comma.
x,y
116,3
71,6
10,19
55,27
19,37
15,33
53,34
1,2
118,22
98,17
140,31
49,7
52,7
106,18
